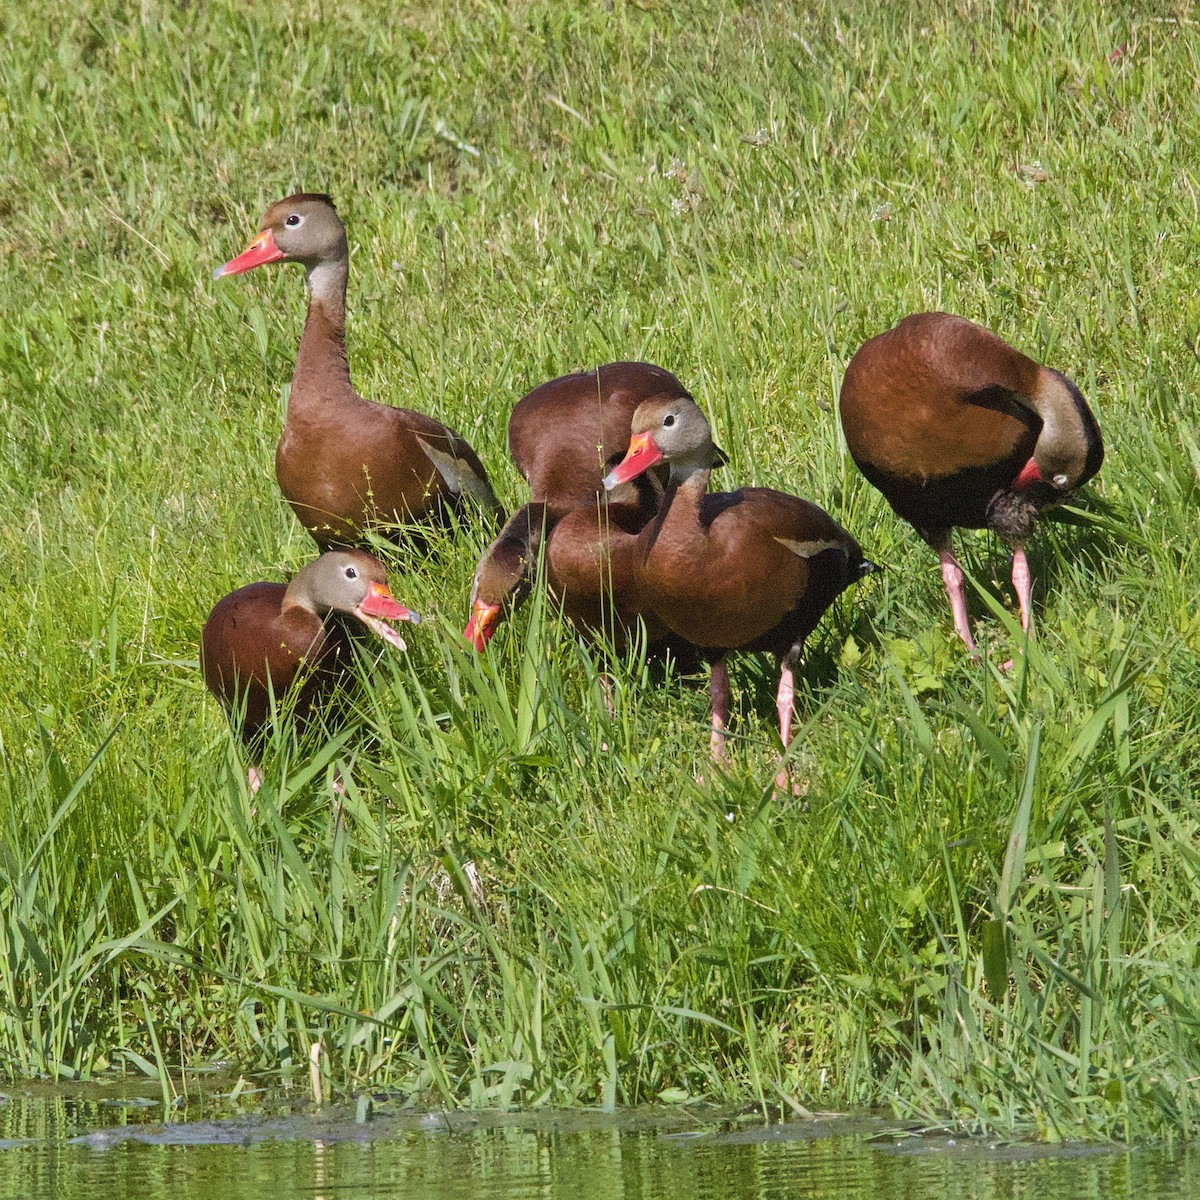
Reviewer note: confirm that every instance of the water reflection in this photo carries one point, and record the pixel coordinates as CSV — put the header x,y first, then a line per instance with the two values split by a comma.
x,y
93,1149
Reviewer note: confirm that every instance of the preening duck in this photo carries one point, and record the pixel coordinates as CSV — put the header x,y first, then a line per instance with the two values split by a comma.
x,y
958,429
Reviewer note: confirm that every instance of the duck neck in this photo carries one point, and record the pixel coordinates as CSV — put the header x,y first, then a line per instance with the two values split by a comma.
x,y
321,365
302,590
680,508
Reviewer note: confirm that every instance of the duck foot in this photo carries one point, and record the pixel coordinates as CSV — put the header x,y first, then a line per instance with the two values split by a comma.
x,y
787,788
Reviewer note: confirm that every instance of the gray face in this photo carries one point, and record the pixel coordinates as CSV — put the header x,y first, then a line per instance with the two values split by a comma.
x,y
341,579
307,229
1069,449
677,427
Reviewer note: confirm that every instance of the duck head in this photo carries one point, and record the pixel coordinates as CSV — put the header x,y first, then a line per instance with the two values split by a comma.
x,y
675,431
505,573
355,583
302,228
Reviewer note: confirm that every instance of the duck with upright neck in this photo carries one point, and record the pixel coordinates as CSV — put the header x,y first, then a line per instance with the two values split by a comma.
x,y
274,639
347,465
754,569
957,428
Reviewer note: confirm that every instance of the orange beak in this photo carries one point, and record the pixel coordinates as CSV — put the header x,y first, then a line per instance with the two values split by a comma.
x,y
1028,477
261,250
377,608
379,602
484,619
641,456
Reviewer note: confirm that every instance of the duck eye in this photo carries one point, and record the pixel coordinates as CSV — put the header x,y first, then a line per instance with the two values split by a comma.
x,y
669,419
351,573
293,220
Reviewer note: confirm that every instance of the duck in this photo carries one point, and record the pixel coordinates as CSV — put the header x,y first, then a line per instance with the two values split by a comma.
x,y
958,429
349,466
587,552
749,570
269,640
561,434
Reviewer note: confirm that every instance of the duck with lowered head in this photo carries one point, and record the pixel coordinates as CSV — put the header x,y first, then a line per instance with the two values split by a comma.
x,y
588,553
958,429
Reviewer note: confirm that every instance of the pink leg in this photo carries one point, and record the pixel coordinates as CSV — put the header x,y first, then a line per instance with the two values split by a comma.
x,y
785,698
718,689
952,576
606,689
785,703
1022,584
254,780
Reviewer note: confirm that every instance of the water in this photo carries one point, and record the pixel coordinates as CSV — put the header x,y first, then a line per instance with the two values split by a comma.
x,y
97,1146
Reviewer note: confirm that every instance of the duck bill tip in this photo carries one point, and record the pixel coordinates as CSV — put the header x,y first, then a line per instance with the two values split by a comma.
x,y
379,602
641,456
481,626
261,250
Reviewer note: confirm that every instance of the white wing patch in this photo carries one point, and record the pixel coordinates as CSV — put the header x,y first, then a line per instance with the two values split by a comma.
x,y
810,549
458,475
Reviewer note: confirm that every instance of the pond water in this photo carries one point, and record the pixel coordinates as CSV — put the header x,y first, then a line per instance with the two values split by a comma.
x,y
96,1146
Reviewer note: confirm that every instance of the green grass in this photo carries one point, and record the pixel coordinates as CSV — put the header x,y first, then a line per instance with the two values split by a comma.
x,y
984,909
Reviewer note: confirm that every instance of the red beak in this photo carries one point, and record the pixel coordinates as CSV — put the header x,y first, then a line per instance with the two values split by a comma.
x,y
379,602
641,456
1028,477
484,619
261,250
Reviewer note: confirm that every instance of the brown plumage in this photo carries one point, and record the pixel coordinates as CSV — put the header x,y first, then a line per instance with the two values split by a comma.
x,y
753,569
589,555
957,428
269,638
562,433
347,465
563,437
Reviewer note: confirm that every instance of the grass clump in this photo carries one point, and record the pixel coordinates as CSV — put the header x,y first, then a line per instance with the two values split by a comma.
x,y
983,908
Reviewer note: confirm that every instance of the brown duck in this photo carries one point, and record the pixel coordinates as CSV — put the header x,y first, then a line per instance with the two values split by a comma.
x,y
347,465
269,638
957,428
753,569
563,433
589,556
